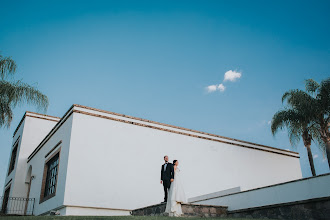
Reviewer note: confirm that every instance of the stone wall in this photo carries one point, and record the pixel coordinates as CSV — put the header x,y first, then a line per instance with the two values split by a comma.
x,y
313,209
187,209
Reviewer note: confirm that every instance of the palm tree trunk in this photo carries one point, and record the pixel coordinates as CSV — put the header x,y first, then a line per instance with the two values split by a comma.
x,y
310,158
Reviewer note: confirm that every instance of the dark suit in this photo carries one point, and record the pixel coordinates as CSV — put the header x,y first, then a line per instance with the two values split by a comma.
x,y
166,176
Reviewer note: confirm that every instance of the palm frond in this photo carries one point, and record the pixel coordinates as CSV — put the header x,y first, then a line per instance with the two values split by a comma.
x,y
7,66
323,97
292,120
294,132
311,85
283,118
6,114
302,102
17,92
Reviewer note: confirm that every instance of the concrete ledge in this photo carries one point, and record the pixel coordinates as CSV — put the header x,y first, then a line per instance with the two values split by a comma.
x,y
318,209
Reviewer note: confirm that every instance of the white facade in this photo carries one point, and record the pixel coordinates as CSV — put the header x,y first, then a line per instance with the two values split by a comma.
x,y
29,134
110,163
31,130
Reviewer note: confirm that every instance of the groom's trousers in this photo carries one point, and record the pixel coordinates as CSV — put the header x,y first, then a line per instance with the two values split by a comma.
x,y
166,184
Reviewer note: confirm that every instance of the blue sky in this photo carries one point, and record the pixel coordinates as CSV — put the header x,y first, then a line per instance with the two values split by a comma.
x,y
154,59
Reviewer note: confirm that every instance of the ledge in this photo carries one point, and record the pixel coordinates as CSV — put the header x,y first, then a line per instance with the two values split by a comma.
x,y
280,205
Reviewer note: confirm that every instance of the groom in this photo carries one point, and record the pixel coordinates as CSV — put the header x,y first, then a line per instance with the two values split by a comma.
x,y
167,176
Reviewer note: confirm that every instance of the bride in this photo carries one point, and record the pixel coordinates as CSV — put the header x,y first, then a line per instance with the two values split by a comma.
x,y
176,195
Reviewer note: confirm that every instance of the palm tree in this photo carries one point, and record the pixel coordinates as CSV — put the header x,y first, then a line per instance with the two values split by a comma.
x,y
297,117
14,92
321,93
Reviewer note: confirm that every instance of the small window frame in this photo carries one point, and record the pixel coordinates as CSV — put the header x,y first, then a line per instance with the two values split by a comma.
x,y
13,157
43,196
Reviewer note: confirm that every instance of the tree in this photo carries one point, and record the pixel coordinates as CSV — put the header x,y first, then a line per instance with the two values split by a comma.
x,y
14,92
321,93
297,117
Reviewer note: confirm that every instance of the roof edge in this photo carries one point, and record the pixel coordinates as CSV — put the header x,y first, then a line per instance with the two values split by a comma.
x,y
19,124
51,132
40,116
50,116
71,110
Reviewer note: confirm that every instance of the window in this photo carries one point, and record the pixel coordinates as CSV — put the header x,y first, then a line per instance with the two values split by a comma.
x,y
49,180
13,159
5,201
51,176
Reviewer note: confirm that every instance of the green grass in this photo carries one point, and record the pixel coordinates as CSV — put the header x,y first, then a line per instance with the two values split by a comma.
x,y
107,218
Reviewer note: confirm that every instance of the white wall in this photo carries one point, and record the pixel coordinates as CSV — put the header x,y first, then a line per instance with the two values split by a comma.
x,y
38,162
308,188
117,165
30,134
82,211
95,211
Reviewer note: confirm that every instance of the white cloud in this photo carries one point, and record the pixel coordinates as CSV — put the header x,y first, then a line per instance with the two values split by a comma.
x,y
269,122
232,76
211,88
221,87
229,76
315,156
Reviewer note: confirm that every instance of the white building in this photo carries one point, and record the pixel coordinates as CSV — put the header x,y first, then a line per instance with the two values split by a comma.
x,y
96,162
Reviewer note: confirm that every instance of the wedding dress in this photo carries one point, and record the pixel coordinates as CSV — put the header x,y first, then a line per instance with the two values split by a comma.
x,y
176,196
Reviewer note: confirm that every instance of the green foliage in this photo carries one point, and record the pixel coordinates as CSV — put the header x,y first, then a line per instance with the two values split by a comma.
x,y
323,98
311,86
7,66
321,108
321,94
305,113
15,92
290,119
296,117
